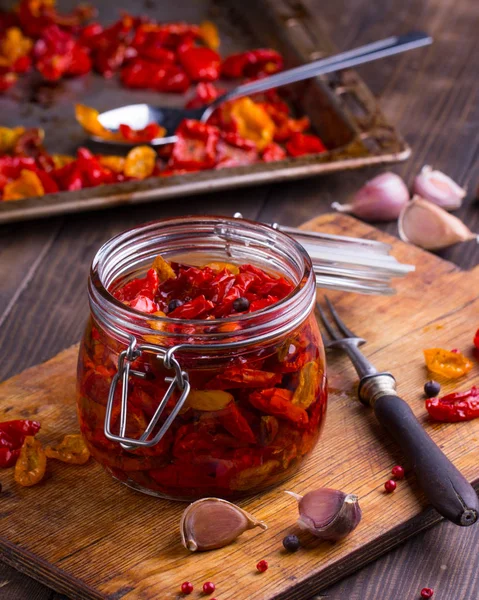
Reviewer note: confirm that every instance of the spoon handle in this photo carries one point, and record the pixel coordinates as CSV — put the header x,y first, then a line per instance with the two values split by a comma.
x,y
344,60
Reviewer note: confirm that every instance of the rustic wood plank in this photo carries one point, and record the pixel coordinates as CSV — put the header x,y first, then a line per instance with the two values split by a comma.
x,y
99,512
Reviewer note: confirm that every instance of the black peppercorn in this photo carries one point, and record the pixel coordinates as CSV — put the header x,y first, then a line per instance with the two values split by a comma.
x,y
174,304
291,543
432,388
241,304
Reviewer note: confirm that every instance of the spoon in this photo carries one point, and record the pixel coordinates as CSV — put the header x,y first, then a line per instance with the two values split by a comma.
x,y
138,116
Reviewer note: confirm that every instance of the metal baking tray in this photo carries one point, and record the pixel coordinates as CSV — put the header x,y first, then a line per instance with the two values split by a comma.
x,y
342,109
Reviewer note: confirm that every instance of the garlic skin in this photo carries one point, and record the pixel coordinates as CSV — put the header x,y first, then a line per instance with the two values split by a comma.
x,y
439,188
212,523
328,514
380,199
430,227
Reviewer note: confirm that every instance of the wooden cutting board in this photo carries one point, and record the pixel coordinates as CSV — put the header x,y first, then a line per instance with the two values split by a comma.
x,y
90,537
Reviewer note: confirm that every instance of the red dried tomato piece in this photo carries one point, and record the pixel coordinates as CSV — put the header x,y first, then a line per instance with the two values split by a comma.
x,y
277,402
196,147
252,63
458,406
300,144
205,93
273,152
200,63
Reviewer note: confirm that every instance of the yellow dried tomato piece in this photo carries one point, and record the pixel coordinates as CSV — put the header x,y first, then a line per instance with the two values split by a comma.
x,y
88,119
140,162
448,364
209,34
60,160
163,268
72,449
209,400
26,186
31,464
157,326
220,266
112,162
13,46
305,393
252,120
9,137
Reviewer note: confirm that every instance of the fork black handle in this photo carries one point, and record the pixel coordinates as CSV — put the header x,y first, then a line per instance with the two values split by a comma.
x,y
442,483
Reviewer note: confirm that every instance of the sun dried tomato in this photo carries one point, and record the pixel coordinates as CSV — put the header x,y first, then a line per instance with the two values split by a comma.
x,y
251,121
8,457
92,171
53,52
459,406
196,146
476,340
205,93
7,79
242,377
209,400
448,364
31,464
140,162
14,46
26,186
273,152
8,137
72,449
148,133
235,423
209,35
193,309
278,403
145,74
88,119
252,63
300,144
17,430
200,64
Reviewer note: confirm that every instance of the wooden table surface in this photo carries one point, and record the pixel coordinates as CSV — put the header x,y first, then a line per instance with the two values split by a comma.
x,y
433,97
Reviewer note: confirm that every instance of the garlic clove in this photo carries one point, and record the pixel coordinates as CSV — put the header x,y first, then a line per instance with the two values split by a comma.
x,y
212,523
429,226
328,514
380,199
439,188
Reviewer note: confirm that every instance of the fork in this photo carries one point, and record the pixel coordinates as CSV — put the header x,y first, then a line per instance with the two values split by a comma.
x,y
442,483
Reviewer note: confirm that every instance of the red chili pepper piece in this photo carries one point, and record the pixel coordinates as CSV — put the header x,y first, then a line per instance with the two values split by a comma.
x,y
200,63
458,406
252,63
277,402
301,143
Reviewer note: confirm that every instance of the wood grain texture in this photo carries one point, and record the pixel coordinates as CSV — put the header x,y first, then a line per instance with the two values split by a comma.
x,y
100,540
432,97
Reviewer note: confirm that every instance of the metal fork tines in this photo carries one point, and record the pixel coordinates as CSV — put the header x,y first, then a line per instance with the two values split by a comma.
x,y
341,337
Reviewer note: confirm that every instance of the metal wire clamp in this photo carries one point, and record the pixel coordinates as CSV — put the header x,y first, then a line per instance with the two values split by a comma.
x,y
179,381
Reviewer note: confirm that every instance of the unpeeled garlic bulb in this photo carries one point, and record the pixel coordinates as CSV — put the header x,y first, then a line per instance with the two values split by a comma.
x,y
439,188
429,226
328,514
380,199
212,523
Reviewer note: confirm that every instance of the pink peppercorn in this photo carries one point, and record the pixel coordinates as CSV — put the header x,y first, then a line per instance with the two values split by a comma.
x,y
398,472
262,566
390,486
186,587
427,593
209,587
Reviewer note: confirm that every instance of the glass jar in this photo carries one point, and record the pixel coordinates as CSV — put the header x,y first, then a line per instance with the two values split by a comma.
x,y
184,409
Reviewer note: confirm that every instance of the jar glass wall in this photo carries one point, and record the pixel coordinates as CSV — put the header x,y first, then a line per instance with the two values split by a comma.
x,y
258,387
